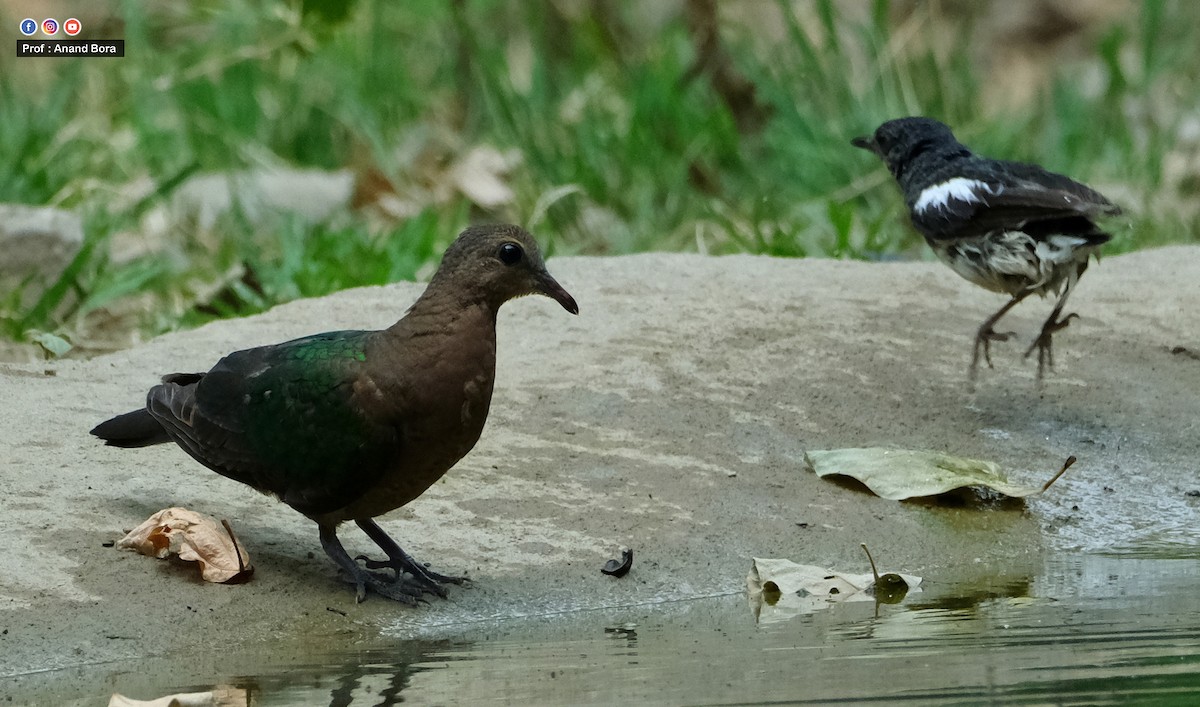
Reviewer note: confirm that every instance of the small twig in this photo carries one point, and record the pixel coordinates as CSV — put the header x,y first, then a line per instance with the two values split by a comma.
x,y
1066,465
236,550
872,560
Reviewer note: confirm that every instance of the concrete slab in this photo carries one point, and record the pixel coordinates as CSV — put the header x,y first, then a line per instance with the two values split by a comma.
x,y
671,416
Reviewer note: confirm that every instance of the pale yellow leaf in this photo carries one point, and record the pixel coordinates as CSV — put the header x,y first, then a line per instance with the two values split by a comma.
x,y
898,474
779,589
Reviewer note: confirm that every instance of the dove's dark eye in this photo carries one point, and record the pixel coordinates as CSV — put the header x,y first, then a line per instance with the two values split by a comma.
x,y
510,253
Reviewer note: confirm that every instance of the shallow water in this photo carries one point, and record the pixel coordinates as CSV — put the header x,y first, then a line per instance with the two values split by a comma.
x,y
1090,629
1112,616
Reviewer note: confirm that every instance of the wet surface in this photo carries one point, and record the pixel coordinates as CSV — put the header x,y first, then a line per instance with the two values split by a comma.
x,y
1125,515
1093,629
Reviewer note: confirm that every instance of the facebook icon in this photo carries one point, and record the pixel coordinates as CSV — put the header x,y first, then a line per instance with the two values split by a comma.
x,y
28,27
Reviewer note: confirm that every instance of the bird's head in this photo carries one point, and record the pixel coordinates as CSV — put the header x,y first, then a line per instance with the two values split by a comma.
x,y
899,141
496,263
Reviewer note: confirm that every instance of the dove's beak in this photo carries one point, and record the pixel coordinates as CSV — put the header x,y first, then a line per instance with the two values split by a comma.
x,y
548,286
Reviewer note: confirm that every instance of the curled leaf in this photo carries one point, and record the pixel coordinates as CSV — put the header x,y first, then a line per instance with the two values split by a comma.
x,y
194,537
619,568
900,474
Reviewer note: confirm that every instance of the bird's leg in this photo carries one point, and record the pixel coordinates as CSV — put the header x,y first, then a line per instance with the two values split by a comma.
x,y
406,592
402,562
1043,343
986,334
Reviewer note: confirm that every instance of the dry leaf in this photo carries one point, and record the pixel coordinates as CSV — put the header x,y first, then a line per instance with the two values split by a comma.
x,y
189,699
779,589
220,696
899,474
194,537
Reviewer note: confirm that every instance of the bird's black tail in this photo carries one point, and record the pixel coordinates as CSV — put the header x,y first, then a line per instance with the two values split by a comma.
x,y
133,429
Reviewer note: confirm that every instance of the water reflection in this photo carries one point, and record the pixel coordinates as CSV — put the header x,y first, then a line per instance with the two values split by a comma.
x,y
1089,629
317,675
394,679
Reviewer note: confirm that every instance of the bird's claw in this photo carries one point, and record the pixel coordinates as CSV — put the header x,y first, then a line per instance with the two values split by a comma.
x,y
396,589
983,344
988,337
1044,343
423,577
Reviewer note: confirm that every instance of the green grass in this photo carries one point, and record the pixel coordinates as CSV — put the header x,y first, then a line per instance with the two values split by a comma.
x,y
619,152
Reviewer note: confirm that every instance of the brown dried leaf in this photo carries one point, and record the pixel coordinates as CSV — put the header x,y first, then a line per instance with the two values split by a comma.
x,y
194,537
219,696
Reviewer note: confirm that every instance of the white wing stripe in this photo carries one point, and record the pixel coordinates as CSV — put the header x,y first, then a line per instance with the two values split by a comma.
x,y
959,189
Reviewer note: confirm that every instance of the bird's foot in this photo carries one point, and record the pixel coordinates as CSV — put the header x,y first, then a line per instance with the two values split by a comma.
x,y
402,563
394,588
1044,343
421,576
983,345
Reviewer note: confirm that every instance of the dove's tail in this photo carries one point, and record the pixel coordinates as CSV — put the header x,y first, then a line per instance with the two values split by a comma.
x,y
133,429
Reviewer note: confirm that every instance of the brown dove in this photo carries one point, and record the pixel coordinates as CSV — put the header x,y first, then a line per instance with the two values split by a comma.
x,y
349,425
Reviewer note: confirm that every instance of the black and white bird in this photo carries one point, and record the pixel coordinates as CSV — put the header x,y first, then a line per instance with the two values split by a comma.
x,y
1009,227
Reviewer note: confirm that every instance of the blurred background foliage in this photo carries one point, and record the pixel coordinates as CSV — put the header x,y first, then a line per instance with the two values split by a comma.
x,y
246,153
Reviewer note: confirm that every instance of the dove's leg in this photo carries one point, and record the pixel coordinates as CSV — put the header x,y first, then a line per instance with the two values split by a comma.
x,y
402,562
398,589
